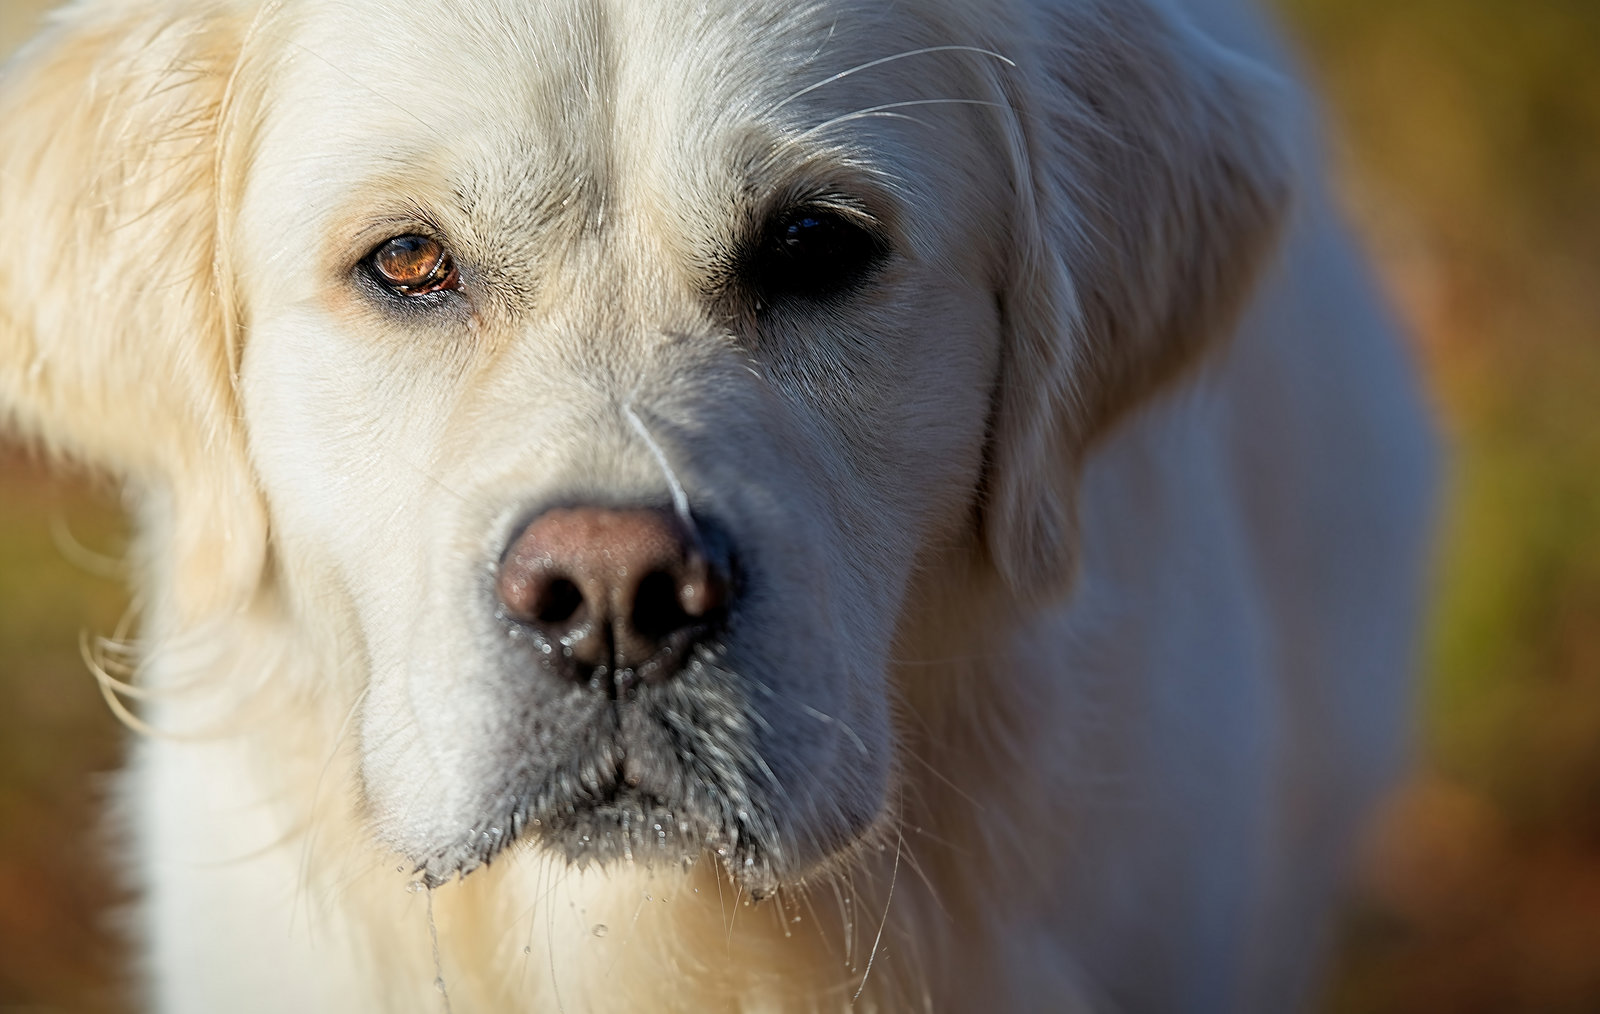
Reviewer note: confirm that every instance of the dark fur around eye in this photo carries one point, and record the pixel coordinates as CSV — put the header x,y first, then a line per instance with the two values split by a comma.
x,y
810,253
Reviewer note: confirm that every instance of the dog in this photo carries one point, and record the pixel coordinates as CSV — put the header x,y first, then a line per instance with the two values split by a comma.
x,y
721,506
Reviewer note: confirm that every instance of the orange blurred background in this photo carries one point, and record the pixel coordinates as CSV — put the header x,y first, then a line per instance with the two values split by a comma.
x,y
1468,148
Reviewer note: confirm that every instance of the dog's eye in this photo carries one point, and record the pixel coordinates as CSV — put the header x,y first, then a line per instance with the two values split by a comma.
x,y
414,266
812,252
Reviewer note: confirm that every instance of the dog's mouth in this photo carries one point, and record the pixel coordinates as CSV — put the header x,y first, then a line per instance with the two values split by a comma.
x,y
669,775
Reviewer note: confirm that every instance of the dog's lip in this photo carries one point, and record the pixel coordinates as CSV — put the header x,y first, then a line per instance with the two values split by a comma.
x,y
616,798
624,825
635,827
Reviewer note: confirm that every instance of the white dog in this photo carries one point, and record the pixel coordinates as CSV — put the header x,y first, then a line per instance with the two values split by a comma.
x,y
729,505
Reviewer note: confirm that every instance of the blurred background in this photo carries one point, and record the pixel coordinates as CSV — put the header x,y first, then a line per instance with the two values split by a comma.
x,y
1466,135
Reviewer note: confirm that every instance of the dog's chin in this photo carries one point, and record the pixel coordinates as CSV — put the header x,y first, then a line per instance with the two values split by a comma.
x,y
624,826
629,827
627,796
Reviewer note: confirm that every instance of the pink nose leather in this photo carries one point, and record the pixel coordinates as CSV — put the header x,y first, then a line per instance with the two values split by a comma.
x,y
612,590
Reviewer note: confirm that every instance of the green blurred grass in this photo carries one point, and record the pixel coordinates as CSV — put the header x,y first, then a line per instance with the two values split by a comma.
x,y
1471,152
1477,125
1471,159
58,744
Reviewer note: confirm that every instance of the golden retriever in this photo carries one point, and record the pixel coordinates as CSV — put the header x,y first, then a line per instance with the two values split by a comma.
x,y
728,505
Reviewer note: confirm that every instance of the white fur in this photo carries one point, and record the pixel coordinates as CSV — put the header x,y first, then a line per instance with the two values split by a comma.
x,y
1094,530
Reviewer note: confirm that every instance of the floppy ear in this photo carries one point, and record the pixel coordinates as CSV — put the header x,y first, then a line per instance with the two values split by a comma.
x,y
1151,182
115,328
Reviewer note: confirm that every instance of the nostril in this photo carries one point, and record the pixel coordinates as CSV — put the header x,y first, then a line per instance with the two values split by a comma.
x,y
657,611
558,602
628,591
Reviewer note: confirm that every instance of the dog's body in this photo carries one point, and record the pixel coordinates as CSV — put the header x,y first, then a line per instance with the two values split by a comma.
x,y
957,777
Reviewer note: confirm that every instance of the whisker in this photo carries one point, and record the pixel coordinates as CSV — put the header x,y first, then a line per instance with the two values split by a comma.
x,y
813,712
438,960
737,898
816,920
847,923
356,82
889,107
559,879
933,892
680,499
829,719
952,786
808,89
894,875
717,875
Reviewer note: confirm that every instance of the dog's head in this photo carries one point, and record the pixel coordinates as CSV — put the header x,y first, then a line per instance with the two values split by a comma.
x,y
608,379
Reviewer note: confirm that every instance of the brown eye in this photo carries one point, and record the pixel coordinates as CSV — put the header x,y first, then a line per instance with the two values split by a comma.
x,y
415,266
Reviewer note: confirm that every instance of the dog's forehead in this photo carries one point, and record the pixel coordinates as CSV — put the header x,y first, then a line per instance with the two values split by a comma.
x,y
442,58
570,92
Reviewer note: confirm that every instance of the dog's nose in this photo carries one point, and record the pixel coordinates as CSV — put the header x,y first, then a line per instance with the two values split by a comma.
x,y
618,593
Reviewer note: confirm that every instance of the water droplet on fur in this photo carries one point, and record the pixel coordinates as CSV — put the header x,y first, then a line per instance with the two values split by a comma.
x,y
416,887
600,929
439,984
527,950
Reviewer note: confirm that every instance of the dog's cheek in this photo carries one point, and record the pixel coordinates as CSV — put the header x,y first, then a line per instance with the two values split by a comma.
x,y
890,449
344,461
827,732
911,422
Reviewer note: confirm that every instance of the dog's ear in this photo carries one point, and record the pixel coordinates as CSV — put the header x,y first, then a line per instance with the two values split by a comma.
x,y
1151,178
116,333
